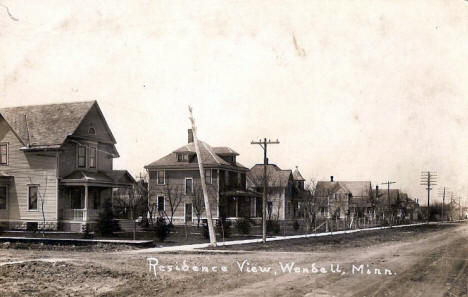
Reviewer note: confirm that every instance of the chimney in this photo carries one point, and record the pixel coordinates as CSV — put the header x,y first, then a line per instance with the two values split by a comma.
x,y
190,136
331,178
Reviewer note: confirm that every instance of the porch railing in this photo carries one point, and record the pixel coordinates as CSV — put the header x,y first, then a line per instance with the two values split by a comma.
x,y
80,214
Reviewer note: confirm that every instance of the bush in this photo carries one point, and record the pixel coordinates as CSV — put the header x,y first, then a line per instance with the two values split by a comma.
x,y
296,225
243,226
106,223
86,234
273,227
223,227
205,232
161,229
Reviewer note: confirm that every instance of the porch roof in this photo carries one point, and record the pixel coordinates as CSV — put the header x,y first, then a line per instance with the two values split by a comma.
x,y
113,178
240,193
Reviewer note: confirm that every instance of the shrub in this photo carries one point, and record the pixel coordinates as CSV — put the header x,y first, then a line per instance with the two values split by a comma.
x,y
273,227
106,224
161,229
223,227
205,232
296,225
243,226
86,234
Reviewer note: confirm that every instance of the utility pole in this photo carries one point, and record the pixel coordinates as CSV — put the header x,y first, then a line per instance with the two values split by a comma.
x,y
428,178
202,180
388,183
264,144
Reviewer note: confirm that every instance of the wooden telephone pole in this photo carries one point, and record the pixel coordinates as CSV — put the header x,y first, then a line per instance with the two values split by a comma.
x,y
388,183
264,144
202,179
443,193
428,178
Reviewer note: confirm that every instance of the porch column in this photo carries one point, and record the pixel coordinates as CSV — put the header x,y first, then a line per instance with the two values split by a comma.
x,y
237,206
85,211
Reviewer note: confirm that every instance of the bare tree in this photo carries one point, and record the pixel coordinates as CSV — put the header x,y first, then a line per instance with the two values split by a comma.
x,y
41,197
133,203
198,204
308,205
175,195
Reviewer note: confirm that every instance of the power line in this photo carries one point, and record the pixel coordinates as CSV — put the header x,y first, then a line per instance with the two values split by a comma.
x,y
264,144
428,179
388,183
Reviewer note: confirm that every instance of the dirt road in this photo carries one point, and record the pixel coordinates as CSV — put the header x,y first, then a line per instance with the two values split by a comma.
x,y
423,261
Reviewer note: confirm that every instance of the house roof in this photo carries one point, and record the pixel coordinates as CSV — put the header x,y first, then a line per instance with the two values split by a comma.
x,y
297,175
224,150
276,176
355,188
110,177
48,126
383,196
209,156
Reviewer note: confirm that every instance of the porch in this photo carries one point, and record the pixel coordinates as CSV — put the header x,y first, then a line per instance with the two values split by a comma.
x,y
82,194
240,204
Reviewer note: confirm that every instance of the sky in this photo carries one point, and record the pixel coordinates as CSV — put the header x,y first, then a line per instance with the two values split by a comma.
x,y
361,90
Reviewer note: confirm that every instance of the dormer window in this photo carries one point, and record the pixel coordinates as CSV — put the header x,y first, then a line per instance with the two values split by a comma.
x,y
92,131
182,157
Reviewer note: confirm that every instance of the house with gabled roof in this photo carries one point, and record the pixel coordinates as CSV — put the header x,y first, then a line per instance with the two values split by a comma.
x,y
284,190
340,199
175,184
56,166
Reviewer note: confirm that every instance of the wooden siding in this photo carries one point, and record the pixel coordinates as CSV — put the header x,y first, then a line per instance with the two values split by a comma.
x,y
28,168
93,119
176,178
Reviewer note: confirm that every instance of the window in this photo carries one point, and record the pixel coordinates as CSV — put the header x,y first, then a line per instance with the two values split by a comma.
x,y
33,192
160,203
92,157
81,156
3,197
188,186
208,178
182,157
161,177
3,153
96,198
92,131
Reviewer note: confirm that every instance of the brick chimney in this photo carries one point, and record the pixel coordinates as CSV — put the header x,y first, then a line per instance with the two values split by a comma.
x,y
190,136
331,178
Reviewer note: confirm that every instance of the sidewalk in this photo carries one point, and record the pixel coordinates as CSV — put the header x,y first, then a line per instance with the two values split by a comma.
x,y
193,247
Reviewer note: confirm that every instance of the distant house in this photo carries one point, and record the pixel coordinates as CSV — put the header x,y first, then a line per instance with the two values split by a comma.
x,y
175,184
342,199
56,165
284,188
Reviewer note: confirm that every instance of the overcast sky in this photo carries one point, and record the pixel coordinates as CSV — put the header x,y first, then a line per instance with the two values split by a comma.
x,y
361,90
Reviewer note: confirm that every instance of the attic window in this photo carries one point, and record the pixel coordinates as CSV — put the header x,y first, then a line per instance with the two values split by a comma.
x,y
182,158
92,131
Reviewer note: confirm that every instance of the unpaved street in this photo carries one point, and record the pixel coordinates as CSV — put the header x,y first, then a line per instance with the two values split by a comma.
x,y
424,261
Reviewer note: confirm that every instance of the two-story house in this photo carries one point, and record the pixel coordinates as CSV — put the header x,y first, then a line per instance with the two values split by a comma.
x,y
283,190
175,184
56,165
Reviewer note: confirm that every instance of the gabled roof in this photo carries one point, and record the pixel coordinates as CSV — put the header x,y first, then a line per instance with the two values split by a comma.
x,y
297,175
48,126
276,176
355,188
208,154
382,197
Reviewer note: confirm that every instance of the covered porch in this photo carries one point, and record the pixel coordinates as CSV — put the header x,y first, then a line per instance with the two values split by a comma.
x,y
82,194
240,204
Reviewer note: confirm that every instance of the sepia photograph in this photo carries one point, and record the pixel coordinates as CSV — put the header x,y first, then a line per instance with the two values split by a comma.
x,y
234,148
